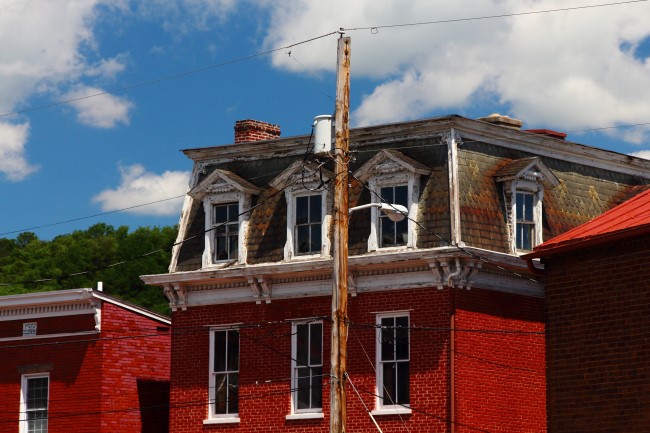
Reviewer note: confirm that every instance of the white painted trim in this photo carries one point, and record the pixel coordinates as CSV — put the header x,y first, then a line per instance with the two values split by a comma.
x,y
397,410
454,192
224,420
22,416
379,384
46,336
291,194
302,413
305,415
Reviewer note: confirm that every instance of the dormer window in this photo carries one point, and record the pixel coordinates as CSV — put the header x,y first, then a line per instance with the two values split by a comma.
x,y
391,233
523,182
525,224
225,198
309,209
308,224
393,178
226,231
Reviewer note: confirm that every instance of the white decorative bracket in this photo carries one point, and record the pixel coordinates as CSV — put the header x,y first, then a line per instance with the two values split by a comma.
x,y
457,273
261,287
352,285
181,295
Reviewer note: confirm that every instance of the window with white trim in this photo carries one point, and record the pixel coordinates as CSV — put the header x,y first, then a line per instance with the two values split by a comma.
x,y
308,225
393,361
393,178
225,225
523,182
525,224
391,233
224,373
34,403
307,367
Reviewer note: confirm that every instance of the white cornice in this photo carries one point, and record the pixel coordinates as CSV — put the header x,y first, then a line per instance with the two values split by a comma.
x,y
437,268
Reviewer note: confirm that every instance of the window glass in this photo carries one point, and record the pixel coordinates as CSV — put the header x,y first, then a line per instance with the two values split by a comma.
x,y
308,371
393,373
307,231
226,231
226,372
393,233
525,224
36,404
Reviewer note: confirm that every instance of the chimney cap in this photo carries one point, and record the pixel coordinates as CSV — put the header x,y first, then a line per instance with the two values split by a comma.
x,y
502,120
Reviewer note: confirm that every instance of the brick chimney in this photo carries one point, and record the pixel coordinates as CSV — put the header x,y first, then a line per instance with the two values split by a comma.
x,y
254,130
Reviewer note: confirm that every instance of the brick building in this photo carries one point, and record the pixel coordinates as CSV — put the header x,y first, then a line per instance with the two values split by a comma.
x,y
446,322
598,322
82,361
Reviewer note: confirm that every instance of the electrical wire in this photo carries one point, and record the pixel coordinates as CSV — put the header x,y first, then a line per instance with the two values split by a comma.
x,y
489,17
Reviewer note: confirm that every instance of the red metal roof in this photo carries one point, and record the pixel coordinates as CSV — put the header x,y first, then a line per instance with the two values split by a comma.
x,y
627,219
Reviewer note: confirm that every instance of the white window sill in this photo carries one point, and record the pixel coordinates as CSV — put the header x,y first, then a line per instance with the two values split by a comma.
x,y
224,420
399,410
306,415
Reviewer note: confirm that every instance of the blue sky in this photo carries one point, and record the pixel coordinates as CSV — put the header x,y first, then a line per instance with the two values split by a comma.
x,y
568,70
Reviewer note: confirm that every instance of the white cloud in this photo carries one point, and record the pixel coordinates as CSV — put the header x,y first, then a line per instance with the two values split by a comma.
x,y
104,111
564,70
13,163
645,154
139,186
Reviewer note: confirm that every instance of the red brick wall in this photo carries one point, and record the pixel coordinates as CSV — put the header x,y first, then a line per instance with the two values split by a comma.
x,y
254,130
598,335
135,372
265,363
499,362
74,364
93,384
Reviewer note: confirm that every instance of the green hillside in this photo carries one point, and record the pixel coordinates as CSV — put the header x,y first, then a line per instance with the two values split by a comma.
x,y
116,257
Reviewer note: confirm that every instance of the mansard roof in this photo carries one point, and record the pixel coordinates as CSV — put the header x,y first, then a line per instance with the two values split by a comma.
x,y
302,173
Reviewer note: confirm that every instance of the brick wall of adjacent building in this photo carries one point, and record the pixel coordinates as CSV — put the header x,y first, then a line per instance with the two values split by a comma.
x,y
135,373
501,384
98,382
598,336
74,365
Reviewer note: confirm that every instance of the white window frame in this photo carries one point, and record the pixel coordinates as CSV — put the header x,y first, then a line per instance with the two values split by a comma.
x,y
291,194
24,388
380,408
213,418
535,189
308,413
376,183
244,201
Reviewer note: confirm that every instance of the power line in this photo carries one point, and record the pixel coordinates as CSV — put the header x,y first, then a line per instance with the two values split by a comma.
x,y
168,77
488,17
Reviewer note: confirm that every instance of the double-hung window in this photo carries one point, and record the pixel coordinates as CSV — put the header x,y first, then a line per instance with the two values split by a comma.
x,y
226,231
224,374
307,368
525,221
393,362
34,403
308,224
391,233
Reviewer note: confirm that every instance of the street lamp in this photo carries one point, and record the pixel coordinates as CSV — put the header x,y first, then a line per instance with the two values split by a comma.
x,y
394,212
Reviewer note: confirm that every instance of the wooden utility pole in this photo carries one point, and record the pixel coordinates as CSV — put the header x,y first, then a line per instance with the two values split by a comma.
x,y
340,247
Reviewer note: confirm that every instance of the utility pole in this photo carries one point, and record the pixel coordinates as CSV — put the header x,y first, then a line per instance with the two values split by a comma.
x,y
340,248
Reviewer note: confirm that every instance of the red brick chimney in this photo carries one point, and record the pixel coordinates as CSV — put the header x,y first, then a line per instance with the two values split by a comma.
x,y
254,130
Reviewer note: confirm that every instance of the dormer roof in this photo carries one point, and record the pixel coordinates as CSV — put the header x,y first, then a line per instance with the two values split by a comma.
x,y
301,172
390,161
532,169
221,181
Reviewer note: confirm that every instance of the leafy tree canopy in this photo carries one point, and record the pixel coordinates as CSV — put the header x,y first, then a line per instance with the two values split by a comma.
x,y
116,257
